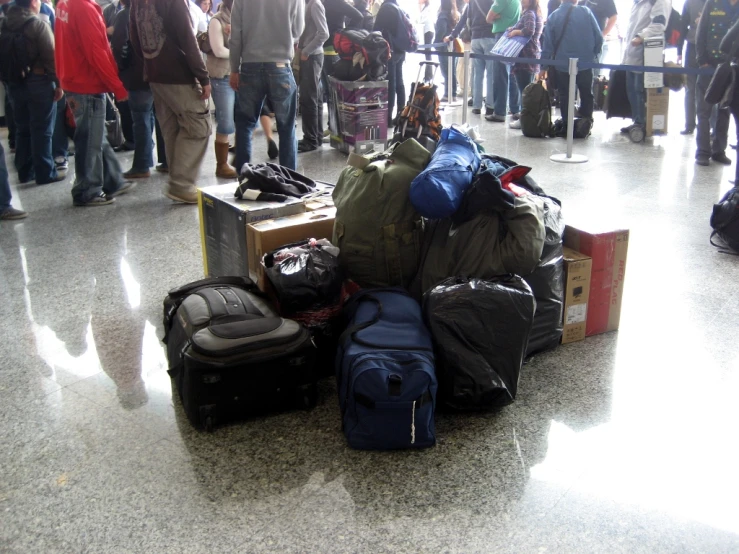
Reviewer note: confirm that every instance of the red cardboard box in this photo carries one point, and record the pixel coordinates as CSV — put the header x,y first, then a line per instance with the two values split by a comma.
x,y
607,249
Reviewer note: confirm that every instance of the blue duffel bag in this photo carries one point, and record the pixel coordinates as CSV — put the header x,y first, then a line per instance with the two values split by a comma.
x,y
385,373
437,191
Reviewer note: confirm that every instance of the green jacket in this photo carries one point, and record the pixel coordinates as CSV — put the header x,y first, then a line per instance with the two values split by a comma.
x,y
510,12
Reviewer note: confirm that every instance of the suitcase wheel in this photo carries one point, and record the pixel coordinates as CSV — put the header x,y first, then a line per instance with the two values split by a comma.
x,y
637,133
309,397
209,424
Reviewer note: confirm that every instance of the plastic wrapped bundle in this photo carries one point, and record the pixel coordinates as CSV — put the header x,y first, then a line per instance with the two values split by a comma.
x,y
438,190
547,282
481,330
305,275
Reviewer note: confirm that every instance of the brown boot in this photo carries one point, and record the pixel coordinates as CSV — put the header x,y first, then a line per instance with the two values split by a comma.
x,y
223,169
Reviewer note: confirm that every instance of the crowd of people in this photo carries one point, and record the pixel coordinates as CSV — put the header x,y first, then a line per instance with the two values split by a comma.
x,y
159,63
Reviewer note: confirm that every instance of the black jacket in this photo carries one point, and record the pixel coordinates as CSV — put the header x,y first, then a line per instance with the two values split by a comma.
x,y
338,14
132,76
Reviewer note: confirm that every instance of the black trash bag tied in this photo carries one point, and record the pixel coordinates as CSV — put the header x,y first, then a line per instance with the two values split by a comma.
x,y
480,330
305,275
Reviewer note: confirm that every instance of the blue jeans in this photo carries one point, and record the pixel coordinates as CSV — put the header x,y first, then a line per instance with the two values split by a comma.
x,y
224,97
635,92
275,82
483,68
141,104
5,195
505,90
60,140
34,110
95,163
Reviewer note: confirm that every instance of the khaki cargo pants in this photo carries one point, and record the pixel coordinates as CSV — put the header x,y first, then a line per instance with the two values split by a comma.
x,y
186,128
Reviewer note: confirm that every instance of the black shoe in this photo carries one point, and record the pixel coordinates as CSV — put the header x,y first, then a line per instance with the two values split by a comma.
x,y
162,168
702,160
272,151
626,130
721,158
489,111
476,111
306,147
469,102
495,118
99,200
125,147
687,131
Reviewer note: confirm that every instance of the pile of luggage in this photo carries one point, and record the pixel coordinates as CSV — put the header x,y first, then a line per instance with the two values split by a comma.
x,y
443,274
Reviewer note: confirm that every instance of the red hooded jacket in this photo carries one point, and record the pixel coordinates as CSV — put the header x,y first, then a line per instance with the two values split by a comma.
x,y
84,61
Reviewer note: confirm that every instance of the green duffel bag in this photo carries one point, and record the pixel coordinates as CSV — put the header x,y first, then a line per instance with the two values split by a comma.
x,y
377,229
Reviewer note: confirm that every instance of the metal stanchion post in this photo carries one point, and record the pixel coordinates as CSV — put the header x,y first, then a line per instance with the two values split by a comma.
x,y
465,84
569,157
450,71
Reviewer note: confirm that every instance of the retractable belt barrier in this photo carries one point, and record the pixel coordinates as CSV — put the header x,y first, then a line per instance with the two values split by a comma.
x,y
572,66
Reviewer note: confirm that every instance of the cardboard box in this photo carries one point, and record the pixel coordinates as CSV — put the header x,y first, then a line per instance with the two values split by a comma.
x,y
223,223
654,54
358,115
607,249
658,104
578,268
266,236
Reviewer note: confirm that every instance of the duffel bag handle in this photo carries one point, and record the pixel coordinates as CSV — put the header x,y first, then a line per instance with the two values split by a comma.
x,y
351,332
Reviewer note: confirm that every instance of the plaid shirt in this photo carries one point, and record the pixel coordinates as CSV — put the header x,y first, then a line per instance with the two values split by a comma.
x,y
531,24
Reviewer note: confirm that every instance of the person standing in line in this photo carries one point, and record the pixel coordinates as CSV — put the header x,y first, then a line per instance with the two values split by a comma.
x,y
573,31
503,14
365,8
715,22
7,212
389,23
206,7
530,25
462,25
606,15
730,48
140,98
175,70
425,23
445,22
482,43
310,49
87,71
261,51
338,14
219,69
35,97
648,20
692,10
198,19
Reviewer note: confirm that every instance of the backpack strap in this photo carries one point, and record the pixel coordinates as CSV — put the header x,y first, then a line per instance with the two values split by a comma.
x,y
564,28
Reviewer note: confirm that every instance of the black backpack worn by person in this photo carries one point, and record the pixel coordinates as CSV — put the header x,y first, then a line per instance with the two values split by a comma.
x,y
536,111
15,65
725,220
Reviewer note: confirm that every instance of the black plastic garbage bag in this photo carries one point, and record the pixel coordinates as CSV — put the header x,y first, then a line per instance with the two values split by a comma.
x,y
480,330
547,282
305,275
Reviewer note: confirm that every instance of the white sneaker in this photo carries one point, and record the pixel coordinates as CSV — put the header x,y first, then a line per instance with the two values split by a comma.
x,y
515,124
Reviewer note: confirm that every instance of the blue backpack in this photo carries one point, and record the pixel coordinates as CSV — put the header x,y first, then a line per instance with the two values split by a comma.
x,y
385,373
437,191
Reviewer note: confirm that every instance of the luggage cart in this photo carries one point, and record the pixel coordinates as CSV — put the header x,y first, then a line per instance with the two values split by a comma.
x,y
413,121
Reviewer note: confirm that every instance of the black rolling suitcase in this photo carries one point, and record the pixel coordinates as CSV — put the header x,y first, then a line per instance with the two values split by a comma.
x,y
231,355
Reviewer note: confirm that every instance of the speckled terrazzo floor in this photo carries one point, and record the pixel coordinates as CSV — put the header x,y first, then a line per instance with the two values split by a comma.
x,y
626,442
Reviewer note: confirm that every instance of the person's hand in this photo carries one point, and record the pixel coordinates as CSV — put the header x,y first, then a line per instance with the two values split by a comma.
x,y
206,93
303,57
233,80
448,39
58,93
515,33
542,75
637,41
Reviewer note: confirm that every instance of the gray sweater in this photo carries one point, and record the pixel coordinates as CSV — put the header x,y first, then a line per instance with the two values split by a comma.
x,y
265,31
316,28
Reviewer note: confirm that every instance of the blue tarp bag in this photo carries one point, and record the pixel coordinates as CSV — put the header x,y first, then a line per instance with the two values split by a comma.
x,y
437,191
385,373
